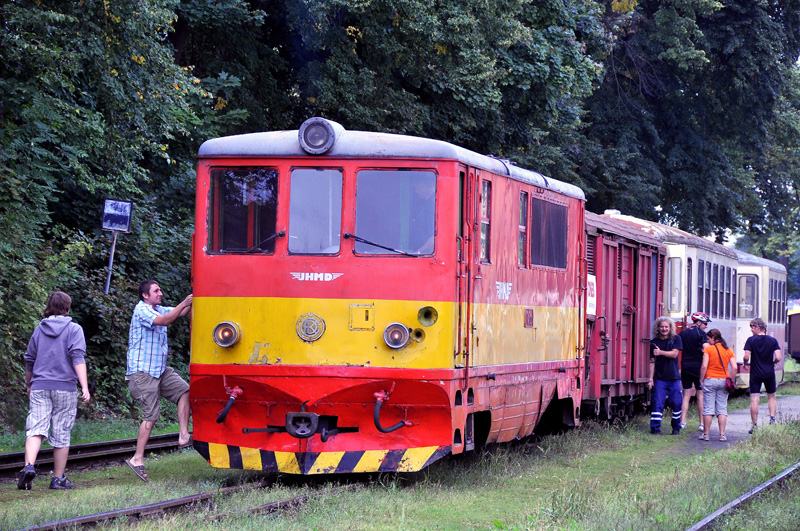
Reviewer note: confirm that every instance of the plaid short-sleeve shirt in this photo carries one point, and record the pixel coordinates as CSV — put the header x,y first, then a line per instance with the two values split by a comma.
x,y
147,343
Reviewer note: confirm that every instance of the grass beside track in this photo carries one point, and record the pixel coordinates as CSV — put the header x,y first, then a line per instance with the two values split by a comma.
x,y
599,476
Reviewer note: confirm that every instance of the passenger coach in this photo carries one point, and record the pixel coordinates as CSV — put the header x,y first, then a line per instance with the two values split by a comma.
x,y
762,293
374,302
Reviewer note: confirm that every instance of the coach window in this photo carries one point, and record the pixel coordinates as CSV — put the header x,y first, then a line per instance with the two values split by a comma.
x,y
727,293
714,290
701,270
748,296
242,212
674,284
315,211
689,285
707,302
548,234
486,216
395,212
522,238
734,311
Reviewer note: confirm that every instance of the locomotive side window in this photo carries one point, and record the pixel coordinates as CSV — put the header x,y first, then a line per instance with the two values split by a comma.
x,y
395,212
242,213
548,234
522,242
315,211
748,296
689,285
486,213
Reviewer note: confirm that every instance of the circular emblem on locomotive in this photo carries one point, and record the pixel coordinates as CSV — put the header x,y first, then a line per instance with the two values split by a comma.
x,y
310,327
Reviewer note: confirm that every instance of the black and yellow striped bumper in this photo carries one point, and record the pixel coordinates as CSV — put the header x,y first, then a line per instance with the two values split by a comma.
x,y
403,460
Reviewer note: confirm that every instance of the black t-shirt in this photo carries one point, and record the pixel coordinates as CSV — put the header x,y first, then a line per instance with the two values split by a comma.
x,y
666,368
692,357
762,349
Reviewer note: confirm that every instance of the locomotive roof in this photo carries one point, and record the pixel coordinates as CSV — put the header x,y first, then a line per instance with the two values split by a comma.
x,y
672,235
355,144
749,259
621,228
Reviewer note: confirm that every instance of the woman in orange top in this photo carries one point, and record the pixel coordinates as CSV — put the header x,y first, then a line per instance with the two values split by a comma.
x,y
719,363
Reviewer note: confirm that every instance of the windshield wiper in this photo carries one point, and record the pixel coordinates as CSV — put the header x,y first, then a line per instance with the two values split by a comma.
x,y
256,248
362,240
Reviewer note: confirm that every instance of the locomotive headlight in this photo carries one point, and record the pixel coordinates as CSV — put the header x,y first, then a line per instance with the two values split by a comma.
x,y
226,334
396,335
317,135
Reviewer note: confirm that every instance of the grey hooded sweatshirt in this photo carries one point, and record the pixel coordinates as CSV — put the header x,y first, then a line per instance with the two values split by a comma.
x,y
56,346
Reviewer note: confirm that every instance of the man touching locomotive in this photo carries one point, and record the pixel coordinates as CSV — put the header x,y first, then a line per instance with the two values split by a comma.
x,y
665,376
147,373
694,341
765,353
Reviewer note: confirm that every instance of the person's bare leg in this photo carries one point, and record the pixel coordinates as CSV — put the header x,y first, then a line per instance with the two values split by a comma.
x,y
60,456
754,400
184,411
687,396
707,420
772,403
699,396
32,446
145,429
722,420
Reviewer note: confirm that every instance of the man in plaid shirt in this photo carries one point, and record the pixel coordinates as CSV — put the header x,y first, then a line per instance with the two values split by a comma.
x,y
147,374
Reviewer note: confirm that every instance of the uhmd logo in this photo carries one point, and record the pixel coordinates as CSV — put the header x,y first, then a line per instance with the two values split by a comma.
x,y
316,277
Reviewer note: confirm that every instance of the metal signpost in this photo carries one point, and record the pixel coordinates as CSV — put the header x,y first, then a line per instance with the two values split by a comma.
x,y
116,218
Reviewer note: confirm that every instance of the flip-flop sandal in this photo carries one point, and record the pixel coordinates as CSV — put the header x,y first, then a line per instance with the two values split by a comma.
x,y
138,470
187,444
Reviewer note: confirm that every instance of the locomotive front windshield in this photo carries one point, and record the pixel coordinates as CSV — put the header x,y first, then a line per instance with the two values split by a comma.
x,y
243,210
315,211
395,210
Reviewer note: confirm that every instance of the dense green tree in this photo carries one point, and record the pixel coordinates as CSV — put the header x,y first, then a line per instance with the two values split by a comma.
x,y
690,89
92,105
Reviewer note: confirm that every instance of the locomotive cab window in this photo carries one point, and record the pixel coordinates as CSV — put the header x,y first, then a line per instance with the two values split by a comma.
x,y
395,212
315,211
242,214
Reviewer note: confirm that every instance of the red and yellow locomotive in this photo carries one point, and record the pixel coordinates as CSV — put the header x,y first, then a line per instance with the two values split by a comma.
x,y
373,302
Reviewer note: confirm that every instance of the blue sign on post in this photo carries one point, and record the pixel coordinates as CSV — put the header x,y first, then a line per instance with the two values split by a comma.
x,y
116,218
117,215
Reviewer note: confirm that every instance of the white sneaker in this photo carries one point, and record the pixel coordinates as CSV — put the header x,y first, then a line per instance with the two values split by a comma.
x,y
683,425
700,427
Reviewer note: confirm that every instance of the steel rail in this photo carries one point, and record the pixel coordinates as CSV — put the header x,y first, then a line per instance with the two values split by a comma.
x,y
11,463
179,503
138,512
702,524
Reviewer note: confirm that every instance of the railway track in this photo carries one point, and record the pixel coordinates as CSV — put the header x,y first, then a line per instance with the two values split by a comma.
x,y
177,504
84,455
747,496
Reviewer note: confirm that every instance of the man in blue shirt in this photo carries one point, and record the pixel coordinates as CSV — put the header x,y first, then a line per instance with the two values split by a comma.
x,y
147,373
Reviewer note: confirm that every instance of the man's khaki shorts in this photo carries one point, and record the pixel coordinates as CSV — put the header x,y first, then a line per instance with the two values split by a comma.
x,y
147,391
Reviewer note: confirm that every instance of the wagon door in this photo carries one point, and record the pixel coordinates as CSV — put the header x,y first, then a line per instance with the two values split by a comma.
x,y
466,178
627,280
647,300
609,300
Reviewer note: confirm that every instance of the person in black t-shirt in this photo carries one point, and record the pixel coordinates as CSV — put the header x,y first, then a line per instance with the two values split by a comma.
x,y
694,341
765,353
665,376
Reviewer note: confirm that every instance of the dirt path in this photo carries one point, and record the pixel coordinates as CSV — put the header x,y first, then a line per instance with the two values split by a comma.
x,y
739,424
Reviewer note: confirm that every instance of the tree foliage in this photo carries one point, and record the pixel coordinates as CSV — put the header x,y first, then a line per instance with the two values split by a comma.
x,y
684,111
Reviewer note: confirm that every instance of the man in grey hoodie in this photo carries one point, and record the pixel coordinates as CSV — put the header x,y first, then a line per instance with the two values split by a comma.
x,y
54,363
